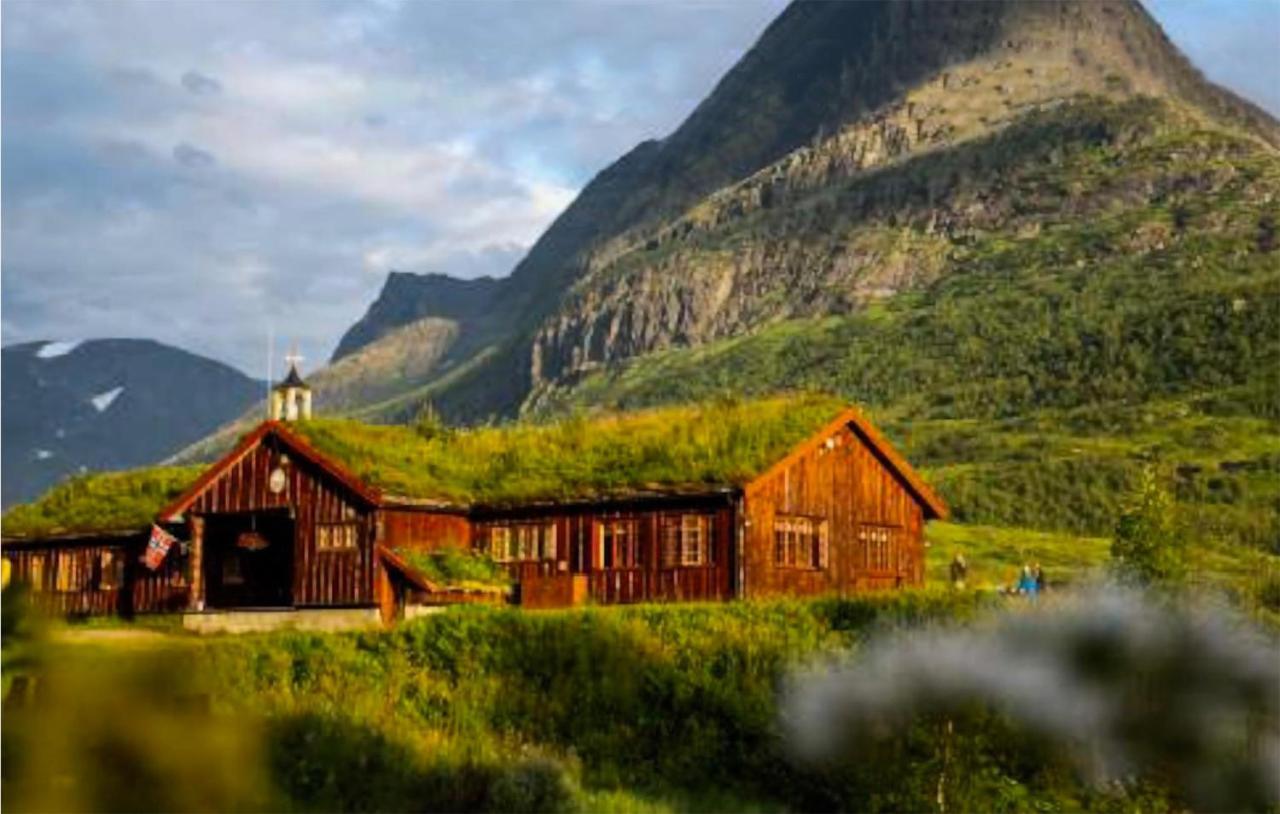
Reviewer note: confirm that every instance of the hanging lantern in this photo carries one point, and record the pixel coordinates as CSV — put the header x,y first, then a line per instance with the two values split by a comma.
x,y
251,541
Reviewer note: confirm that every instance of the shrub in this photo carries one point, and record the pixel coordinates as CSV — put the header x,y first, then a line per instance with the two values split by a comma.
x,y
1148,548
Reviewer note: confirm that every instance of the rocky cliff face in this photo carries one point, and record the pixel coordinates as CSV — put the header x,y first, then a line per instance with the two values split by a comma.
x,y
407,298
842,161
107,404
784,242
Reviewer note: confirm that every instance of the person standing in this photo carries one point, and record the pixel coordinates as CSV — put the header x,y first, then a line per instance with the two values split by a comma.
x,y
1041,584
959,571
1027,583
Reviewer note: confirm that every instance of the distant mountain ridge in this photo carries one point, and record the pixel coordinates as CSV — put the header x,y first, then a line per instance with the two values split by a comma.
x,y
658,250
106,404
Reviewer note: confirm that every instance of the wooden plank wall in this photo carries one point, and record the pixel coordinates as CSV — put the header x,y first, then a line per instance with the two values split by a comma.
x,y
140,590
424,530
344,577
846,485
576,553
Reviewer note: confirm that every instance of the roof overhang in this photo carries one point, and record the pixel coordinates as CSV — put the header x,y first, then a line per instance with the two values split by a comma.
x,y
71,537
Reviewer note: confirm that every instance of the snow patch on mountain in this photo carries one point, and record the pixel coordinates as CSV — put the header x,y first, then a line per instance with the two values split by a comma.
x,y
50,350
103,400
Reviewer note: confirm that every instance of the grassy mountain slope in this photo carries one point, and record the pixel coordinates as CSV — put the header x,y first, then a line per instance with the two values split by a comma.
x,y
1141,261
831,93
1118,303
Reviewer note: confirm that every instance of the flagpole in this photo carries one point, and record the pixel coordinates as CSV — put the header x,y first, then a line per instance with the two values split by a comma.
x,y
271,352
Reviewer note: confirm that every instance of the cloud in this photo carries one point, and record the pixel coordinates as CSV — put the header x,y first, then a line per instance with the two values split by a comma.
x,y
189,156
316,146
199,84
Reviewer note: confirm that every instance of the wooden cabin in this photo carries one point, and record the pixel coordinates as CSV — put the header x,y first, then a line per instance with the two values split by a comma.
x,y
781,497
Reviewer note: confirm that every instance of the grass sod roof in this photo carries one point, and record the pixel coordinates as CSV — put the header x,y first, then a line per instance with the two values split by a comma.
x,y
99,502
663,450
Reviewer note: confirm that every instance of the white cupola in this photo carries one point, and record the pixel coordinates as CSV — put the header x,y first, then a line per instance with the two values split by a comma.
x,y
291,398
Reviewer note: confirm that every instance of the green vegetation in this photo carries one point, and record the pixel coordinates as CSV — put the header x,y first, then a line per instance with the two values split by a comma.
x,y
722,443
996,553
456,568
1114,304
643,708
116,501
719,444
1148,550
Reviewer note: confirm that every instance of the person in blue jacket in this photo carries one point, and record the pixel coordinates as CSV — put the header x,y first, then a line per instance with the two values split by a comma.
x,y
1027,585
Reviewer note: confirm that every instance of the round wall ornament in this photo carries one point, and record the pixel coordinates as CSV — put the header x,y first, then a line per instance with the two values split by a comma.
x,y
276,481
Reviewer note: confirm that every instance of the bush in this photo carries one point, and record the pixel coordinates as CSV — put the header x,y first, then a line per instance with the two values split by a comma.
x,y
1148,548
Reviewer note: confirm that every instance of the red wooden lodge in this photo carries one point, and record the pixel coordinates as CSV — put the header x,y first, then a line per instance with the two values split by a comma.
x,y
779,497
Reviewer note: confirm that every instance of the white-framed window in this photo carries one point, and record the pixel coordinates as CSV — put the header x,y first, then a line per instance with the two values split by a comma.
x,y
686,539
337,536
74,569
878,547
36,578
618,542
799,542
110,570
521,542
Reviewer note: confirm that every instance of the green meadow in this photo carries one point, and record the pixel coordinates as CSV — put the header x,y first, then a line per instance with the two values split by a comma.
x,y
647,708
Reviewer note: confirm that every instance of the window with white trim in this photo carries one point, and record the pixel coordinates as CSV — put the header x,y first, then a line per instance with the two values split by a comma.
x,y
110,570
74,569
521,542
337,536
618,542
36,577
878,547
686,540
799,542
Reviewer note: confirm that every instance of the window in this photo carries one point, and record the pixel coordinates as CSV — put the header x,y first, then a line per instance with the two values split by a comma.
x,y
110,570
72,572
522,542
799,542
878,547
619,541
337,536
686,540
37,572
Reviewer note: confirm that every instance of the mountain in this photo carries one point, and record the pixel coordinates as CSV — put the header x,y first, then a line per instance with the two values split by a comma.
x,y
407,298
858,153
106,404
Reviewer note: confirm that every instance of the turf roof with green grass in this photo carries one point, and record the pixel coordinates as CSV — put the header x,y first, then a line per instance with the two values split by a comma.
x,y
101,502
667,450
662,450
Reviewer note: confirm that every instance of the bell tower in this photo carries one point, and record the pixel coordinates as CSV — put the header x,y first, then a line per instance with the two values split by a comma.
x,y
291,398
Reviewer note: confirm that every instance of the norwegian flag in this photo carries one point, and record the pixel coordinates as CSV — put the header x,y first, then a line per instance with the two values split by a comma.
x,y
157,547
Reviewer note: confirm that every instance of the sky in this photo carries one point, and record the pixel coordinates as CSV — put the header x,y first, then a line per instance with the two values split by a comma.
x,y
206,173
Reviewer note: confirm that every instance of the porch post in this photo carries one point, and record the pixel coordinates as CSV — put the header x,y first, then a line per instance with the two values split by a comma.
x,y
196,602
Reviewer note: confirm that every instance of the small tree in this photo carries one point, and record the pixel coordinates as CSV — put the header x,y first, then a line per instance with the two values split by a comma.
x,y
1147,548
429,424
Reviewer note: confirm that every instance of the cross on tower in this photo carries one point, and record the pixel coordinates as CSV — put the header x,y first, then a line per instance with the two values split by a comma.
x,y
291,398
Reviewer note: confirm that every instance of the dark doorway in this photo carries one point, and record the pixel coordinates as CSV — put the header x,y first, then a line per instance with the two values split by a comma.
x,y
248,560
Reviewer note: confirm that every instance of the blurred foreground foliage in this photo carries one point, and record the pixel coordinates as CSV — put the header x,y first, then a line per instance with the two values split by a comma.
x,y
647,708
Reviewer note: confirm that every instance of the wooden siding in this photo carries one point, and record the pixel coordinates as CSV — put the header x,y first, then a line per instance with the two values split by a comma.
x,y
424,530
578,553
139,590
312,496
846,485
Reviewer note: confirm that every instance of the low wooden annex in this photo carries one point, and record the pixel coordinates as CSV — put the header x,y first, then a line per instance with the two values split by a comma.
x,y
779,497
